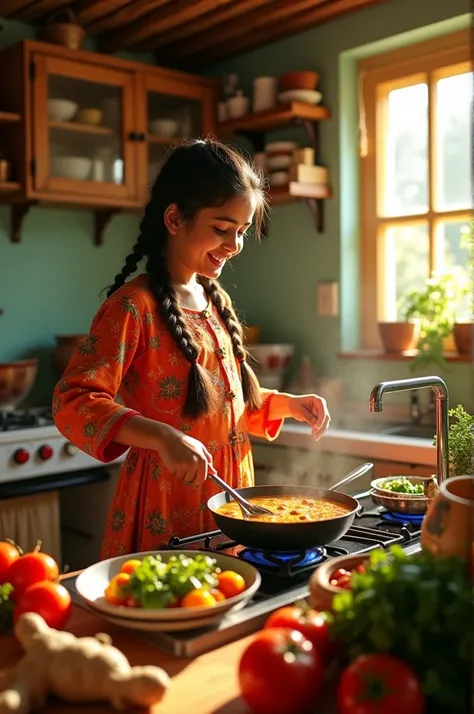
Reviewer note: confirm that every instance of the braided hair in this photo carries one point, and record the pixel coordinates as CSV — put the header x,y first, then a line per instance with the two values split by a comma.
x,y
195,175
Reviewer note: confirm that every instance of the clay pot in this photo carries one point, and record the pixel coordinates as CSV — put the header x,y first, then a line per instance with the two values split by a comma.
x,y
399,336
63,29
321,592
16,380
464,337
448,527
66,345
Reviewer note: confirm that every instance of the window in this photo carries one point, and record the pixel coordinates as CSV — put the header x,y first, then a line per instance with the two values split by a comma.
x,y
416,163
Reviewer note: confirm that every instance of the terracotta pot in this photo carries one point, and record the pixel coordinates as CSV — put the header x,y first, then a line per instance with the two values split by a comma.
x,y
464,337
66,345
399,336
62,29
4,170
298,80
449,344
448,527
321,592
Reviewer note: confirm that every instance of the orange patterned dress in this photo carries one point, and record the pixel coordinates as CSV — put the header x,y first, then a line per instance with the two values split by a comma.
x,y
130,352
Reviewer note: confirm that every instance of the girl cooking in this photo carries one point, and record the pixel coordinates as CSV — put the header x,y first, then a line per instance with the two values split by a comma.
x,y
170,343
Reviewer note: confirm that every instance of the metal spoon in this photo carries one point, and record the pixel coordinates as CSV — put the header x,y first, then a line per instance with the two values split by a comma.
x,y
248,509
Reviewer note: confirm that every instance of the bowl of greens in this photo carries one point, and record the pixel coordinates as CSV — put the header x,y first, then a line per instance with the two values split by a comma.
x,y
411,495
168,586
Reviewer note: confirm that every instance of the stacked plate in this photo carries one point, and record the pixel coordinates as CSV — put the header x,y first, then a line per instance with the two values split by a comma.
x,y
92,582
407,503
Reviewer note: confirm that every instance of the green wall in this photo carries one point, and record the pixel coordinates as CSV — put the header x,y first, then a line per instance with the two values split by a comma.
x,y
50,283
275,283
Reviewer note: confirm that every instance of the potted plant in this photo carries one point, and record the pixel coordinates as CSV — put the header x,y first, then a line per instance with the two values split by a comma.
x,y
463,331
435,308
461,442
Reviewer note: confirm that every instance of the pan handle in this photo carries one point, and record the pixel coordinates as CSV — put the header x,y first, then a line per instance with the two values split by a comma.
x,y
356,473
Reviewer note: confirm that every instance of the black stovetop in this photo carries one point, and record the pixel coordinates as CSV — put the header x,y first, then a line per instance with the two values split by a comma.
x,y
15,419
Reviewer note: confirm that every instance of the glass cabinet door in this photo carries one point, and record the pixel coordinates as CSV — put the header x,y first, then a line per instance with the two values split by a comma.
x,y
170,114
82,123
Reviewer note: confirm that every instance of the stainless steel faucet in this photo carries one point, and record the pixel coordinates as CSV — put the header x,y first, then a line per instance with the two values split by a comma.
x,y
442,408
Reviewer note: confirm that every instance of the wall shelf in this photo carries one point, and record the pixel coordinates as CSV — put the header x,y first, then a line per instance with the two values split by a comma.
x,y
254,128
80,128
9,186
9,117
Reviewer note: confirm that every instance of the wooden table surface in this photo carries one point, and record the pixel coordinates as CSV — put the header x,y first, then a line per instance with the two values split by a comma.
x,y
204,685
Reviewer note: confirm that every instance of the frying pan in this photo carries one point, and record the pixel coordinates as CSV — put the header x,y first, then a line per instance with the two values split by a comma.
x,y
289,536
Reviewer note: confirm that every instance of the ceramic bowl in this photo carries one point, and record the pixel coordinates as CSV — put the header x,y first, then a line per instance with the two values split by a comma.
x,y
92,582
77,168
401,503
378,486
92,116
165,127
61,109
321,592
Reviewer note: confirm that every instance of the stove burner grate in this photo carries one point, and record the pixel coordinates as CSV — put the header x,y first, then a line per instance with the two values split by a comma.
x,y
403,518
14,419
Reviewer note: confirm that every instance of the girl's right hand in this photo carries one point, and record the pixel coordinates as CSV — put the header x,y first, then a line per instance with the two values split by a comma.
x,y
185,457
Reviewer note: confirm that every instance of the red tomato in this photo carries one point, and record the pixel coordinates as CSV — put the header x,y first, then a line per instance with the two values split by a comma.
x,y
230,583
280,672
379,684
50,600
31,568
311,623
8,555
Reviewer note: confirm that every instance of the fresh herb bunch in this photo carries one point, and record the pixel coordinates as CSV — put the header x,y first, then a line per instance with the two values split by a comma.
x,y
6,608
420,609
156,584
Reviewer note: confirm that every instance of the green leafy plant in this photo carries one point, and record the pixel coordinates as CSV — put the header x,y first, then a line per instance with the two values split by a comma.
x,y
435,307
461,441
419,608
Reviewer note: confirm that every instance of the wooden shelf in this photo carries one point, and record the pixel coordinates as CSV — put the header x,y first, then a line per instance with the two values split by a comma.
x,y
9,186
294,190
80,128
275,118
379,355
9,117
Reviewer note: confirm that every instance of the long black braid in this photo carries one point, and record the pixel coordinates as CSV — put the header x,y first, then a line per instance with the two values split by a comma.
x,y
196,175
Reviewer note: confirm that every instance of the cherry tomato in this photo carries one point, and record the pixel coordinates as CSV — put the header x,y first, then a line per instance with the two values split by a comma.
x,y
8,555
280,672
217,595
31,568
130,566
231,583
50,600
115,594
379,684
312,624
198,598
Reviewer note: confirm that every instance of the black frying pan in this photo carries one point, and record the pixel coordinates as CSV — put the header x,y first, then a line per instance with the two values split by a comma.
x,y
288,536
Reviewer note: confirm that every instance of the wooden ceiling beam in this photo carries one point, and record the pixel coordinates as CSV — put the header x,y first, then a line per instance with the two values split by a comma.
x,y
131,12
258,22
303,21
10,7
204,23
40,9
89,11
158,22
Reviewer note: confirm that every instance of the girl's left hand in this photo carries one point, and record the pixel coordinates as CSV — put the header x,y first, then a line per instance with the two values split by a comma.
x,y
311,409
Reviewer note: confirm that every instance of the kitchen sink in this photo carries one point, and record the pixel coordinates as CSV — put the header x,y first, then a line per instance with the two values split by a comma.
x,y
415,431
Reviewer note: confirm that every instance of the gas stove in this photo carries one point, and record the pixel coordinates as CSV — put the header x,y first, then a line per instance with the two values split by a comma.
x,y
31,447
285,576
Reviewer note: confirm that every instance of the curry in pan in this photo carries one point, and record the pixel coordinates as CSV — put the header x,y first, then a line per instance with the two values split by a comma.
x,y
289,509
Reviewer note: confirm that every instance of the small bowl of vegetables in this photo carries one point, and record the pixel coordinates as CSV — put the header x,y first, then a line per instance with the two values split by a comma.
x,y
332,577
404,494
168,587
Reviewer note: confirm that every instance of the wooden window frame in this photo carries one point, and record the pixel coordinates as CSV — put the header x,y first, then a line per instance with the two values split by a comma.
x,y
430,60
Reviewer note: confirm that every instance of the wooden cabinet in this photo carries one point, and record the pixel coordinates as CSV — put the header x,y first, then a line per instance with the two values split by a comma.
x,y
84,129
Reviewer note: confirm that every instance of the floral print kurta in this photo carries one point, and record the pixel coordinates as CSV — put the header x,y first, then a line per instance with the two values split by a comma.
x,y
130,352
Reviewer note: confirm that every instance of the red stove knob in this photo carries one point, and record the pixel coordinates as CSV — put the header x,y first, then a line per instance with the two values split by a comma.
x,y
45,452
70,449
21,456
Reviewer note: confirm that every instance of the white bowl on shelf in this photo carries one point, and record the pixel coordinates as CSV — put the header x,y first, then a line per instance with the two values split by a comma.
x,y
165,127
61,109
77,168
279,162
307,96
271,358
92,582
279,178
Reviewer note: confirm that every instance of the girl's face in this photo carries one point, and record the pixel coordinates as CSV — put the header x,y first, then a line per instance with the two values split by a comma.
x,y
204,245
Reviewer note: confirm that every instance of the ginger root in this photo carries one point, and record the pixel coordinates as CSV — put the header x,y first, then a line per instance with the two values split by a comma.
x,y
76,669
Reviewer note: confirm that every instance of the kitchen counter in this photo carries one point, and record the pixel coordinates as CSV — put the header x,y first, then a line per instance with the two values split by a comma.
x,y
377,446
205,685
